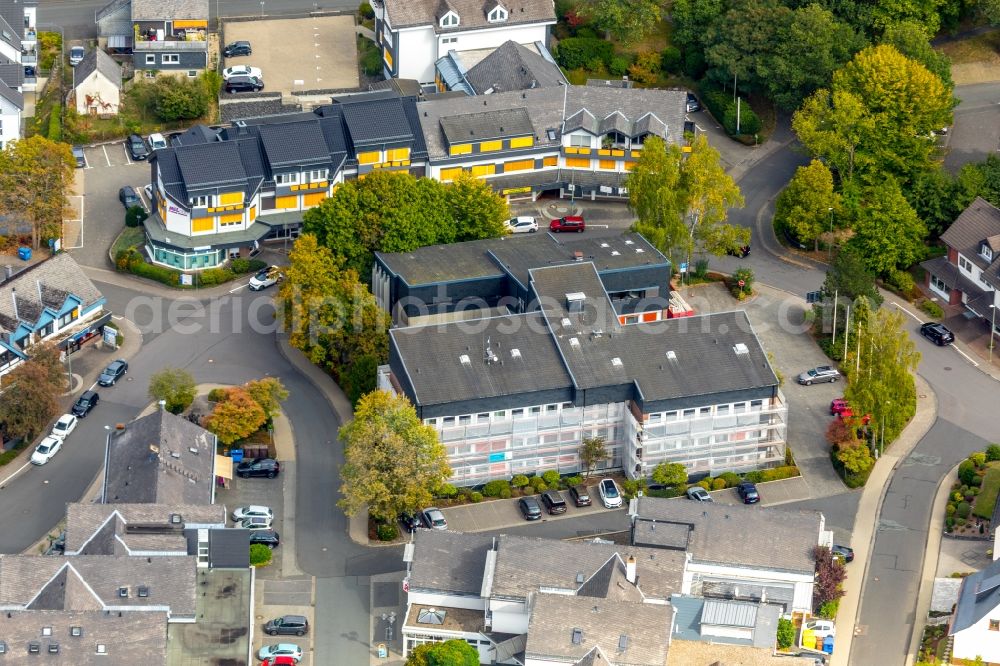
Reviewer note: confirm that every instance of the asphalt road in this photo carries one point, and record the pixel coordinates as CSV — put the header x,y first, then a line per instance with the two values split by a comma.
x,y
976,132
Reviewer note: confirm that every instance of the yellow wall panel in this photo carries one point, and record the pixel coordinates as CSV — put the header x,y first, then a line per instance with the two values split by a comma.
x,y
490,146
369,158
522,142
460,149
230,198
201,224
191,24
387,56
518,165
484,170
608,164
253,213
397,154
551,161
231,219
578,162
310,200
449,174
286,202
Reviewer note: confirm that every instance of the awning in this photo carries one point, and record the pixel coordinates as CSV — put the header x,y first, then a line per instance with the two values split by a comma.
x,y
190,24
223,466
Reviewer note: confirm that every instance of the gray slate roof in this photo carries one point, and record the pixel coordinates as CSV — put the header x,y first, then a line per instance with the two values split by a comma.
x,y
130,526
757,537
977,223
446,561
618,632
132,638
46,284
513,67
12,95
99,61
485,125
169,9
294,143
979,597
8,19
472,13
152,461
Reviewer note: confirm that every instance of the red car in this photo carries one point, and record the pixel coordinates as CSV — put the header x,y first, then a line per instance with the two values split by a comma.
x,y
840,407
568,223
279,661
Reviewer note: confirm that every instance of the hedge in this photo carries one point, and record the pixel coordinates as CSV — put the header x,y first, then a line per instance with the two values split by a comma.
x,y
723,108
575,52
55,123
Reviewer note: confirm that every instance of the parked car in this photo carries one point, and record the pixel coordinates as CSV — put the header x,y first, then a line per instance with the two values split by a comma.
x,y
115,371
238,84
252,510
529,508
580,494
611,497
554,502
937,333
80,157
64,426
838,406
85,403
698,494
242,70
692,103
268,538
287,625
128,196
258,467
821,628
255,523
280,660
45,450
76,54
156,141
433,518
280,650
411,521
240,48
136,147
522,225
748,492
265,277
568,223
845,553
821,373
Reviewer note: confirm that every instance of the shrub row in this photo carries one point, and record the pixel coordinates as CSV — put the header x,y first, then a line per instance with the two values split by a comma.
x,y
131,261
724,108
588,52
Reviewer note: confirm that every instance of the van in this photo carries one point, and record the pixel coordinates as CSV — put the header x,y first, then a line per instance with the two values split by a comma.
x,y
287,625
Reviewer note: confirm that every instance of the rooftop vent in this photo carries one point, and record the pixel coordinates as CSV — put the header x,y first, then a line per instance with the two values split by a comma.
x,y
575,301
672,355
143,591
176,519
579,577
46,631
574,342
193,450
605,245
465,360
628,242
76,632
53,648
741,349
34,647
577,636
616,362
622,642
577,255
639,250
431,616
515,353
615,253
566,323
123,592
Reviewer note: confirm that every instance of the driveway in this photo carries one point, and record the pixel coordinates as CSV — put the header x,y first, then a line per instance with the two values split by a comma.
x,y
299,54
976,133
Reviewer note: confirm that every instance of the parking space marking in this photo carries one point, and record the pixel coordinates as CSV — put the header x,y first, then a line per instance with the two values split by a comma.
x,y
233,291
125,150
965,356
106,157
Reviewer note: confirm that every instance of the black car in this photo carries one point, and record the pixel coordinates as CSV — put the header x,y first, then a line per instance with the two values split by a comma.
x,y
268,538
411,521
845,553
129,197
240,48
937,333
258,467
529,508
748,492
554,502
115,371
238,84
85,403
287,625
580,495
137,147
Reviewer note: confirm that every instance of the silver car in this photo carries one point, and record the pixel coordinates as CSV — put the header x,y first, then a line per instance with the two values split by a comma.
x,y
434,519
280,650
821,373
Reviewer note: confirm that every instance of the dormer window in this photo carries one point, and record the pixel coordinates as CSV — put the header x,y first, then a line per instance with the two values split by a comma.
x,y
986,251
498,15
449,20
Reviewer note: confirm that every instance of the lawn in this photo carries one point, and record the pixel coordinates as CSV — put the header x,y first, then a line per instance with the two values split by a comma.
x,y
129,237
987,497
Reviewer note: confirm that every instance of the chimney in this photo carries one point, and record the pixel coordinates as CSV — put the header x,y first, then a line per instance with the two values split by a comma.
x,y
163,405
630,569
13,297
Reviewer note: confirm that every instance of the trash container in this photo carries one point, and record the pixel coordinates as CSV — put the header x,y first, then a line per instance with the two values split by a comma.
x,y
24,253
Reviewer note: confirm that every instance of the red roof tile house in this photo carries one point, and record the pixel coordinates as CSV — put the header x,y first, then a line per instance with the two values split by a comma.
x,y
970,273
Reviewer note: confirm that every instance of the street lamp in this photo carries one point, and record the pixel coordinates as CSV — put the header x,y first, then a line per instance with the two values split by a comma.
x,y
993,325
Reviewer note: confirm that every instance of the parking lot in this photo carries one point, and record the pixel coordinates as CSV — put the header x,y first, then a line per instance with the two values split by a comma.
x,y
324,58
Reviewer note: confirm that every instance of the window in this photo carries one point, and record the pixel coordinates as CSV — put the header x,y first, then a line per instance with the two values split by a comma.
x,y
460,149
519,165
192,73
198,202
987,252
76,631
149,74
964,264
994,625
317,175
150,58
449,40
46,330
449,20
69,317
387,38
369,157
170,59
497,15
578,162
286,178
489,146
579,140
522,142
939,284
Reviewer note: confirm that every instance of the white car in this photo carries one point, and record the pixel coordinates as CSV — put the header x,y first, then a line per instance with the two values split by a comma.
x,y
242,70
253,510
156,141
611,497
148,189
265,277
280,650
76,54
64,426
522,225
255,523
44,451
821,628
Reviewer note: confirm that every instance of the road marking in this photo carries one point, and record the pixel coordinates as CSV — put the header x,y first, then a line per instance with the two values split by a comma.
x,y
125,150
915,317
117,317
966,356
232,291
92,386
106,158
16,472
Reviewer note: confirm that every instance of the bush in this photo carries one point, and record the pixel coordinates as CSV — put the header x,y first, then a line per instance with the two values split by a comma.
x,y
571,481
755,476
631,487
977,480
494,488
260,555
993,452
967,472
748,120
978,458
371,60
701,268
744,274
618,65
519,481
577,52
646,68
240,265
828,609
447,490
179,99
475,497
217,395
213,276
950,509
719,484
963,510
899,280
538,483
732,479
778,473
365,11
670,60
786,633
505,493
135,216
551,478
387,532
55,123
932,308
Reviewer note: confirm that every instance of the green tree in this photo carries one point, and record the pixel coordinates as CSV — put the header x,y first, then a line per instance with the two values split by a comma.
x,y
857,459
477,210
742,43
670,474
834,126
593,450
235,418
30,399
393,462
937,199
180,99
829,579
849,277
175,387
925,13
980,179
628,21
807,206
786,633
887,232
913,41
447,653
268,392
36,176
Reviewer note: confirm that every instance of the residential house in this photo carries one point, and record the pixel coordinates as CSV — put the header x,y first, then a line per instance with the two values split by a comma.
x,y
161,458
766,556
52,301
415,34
975,625
18,63
508,67
97,84
517,393
488,277
165,36
970,273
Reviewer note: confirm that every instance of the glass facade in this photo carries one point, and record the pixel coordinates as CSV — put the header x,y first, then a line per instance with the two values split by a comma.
x,y
189,261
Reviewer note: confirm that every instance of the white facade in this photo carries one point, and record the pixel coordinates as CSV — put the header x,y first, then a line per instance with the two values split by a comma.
x,y
10,122
97,96
696,573
980,640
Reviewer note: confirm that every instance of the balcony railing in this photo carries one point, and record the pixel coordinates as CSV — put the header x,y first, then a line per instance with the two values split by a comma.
x,y
29,58
30,35
167,45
